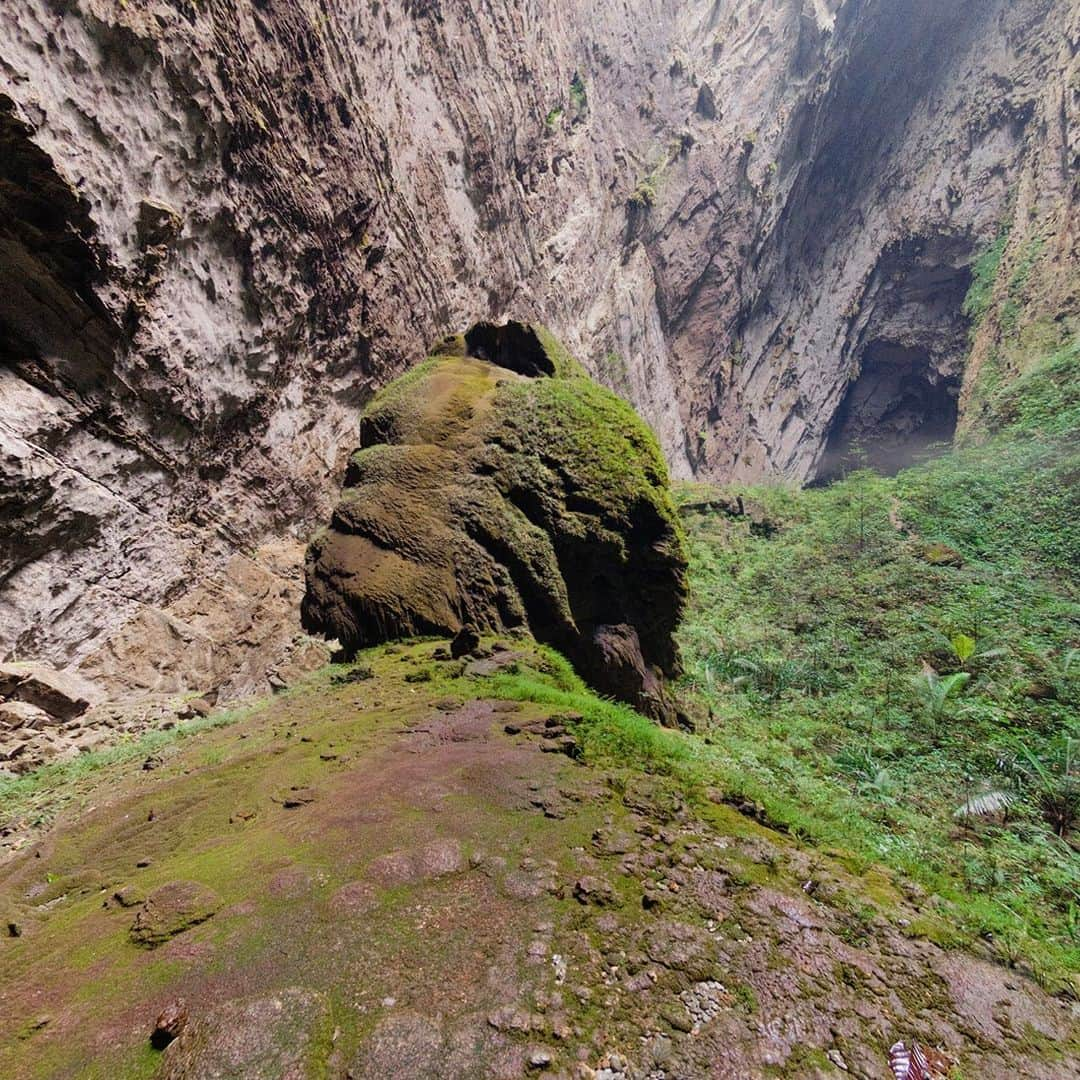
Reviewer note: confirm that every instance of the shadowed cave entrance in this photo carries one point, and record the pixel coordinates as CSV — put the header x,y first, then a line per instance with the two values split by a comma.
x,y
893,414
514,346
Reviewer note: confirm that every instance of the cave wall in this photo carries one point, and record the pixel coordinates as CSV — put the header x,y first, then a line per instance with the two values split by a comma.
x,y
226,224
888,145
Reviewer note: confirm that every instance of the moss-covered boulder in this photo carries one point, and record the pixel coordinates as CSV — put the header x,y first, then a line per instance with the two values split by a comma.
x,y
498,487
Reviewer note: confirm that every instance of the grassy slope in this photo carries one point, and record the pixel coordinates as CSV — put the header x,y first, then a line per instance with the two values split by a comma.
x,y
809,649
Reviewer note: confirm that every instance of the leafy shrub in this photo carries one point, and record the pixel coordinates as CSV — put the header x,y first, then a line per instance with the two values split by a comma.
x,y
644,195
1053,782
579,98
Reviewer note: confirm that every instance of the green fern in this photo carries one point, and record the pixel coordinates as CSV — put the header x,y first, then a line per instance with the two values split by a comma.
x,y
985,804
936,692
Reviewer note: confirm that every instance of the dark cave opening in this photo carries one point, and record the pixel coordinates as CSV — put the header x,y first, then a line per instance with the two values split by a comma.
x,y
893,414
50,315
514,346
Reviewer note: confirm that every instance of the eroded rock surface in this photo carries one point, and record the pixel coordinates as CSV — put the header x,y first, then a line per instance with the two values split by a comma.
x,y
509,493
170,910
224,227
62,694
626,931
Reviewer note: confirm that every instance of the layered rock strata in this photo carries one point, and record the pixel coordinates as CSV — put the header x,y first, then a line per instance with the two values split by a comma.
x,y
223,227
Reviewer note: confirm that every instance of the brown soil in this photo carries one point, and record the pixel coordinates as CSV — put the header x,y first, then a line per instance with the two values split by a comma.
x,y
446,900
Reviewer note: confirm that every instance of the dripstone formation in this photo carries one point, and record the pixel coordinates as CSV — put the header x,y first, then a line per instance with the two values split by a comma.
x,y
498,487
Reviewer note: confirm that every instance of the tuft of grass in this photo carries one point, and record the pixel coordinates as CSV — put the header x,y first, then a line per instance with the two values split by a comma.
x,y
608,731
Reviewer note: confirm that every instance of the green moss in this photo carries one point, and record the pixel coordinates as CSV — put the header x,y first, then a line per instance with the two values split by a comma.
x,y
563,363
433,403
984,274
808,1061
605,452
489,497
21,795
401,388
451,345
940,931
1016,300
610,733
579,98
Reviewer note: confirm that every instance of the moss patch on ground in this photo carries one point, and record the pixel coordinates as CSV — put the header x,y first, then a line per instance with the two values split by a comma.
x,y
415,871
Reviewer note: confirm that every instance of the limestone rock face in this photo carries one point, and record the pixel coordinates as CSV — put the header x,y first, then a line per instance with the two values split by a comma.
x,y
499,488
224,227
62,694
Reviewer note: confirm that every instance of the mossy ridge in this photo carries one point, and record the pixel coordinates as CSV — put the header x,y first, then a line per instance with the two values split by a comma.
x,y
432,404
286,941
228,858
601,445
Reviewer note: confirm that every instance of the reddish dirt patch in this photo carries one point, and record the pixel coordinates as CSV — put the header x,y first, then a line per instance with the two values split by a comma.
x,y
443,873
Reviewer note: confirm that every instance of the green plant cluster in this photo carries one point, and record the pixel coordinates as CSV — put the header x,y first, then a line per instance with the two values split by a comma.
x,y
643,196
915,710
579,105
579,98
1016,298
983,277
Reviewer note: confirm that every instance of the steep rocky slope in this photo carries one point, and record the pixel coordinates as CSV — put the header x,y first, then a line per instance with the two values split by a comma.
x,y
224,226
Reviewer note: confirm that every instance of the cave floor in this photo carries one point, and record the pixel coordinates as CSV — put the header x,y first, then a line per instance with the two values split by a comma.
x,y
407,877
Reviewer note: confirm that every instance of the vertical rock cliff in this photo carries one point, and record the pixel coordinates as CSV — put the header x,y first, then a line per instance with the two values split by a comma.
x,y
225,225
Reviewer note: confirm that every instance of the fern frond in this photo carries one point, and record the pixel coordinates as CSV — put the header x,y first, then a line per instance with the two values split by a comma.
x,y
984,804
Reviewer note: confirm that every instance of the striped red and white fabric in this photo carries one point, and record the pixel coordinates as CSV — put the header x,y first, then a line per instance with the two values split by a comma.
x,y
909,1064
918,1062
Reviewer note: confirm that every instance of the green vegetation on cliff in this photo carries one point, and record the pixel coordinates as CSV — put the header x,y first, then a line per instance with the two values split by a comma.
x,y
889,672
891,667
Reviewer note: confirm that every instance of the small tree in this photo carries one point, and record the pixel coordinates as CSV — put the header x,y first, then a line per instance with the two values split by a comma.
x,y
969,651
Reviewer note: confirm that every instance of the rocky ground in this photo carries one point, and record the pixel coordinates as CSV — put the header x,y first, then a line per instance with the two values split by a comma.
x,y
52,717
389,871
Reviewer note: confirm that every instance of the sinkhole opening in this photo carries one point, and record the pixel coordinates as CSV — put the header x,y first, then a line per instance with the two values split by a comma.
x,y
898,411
